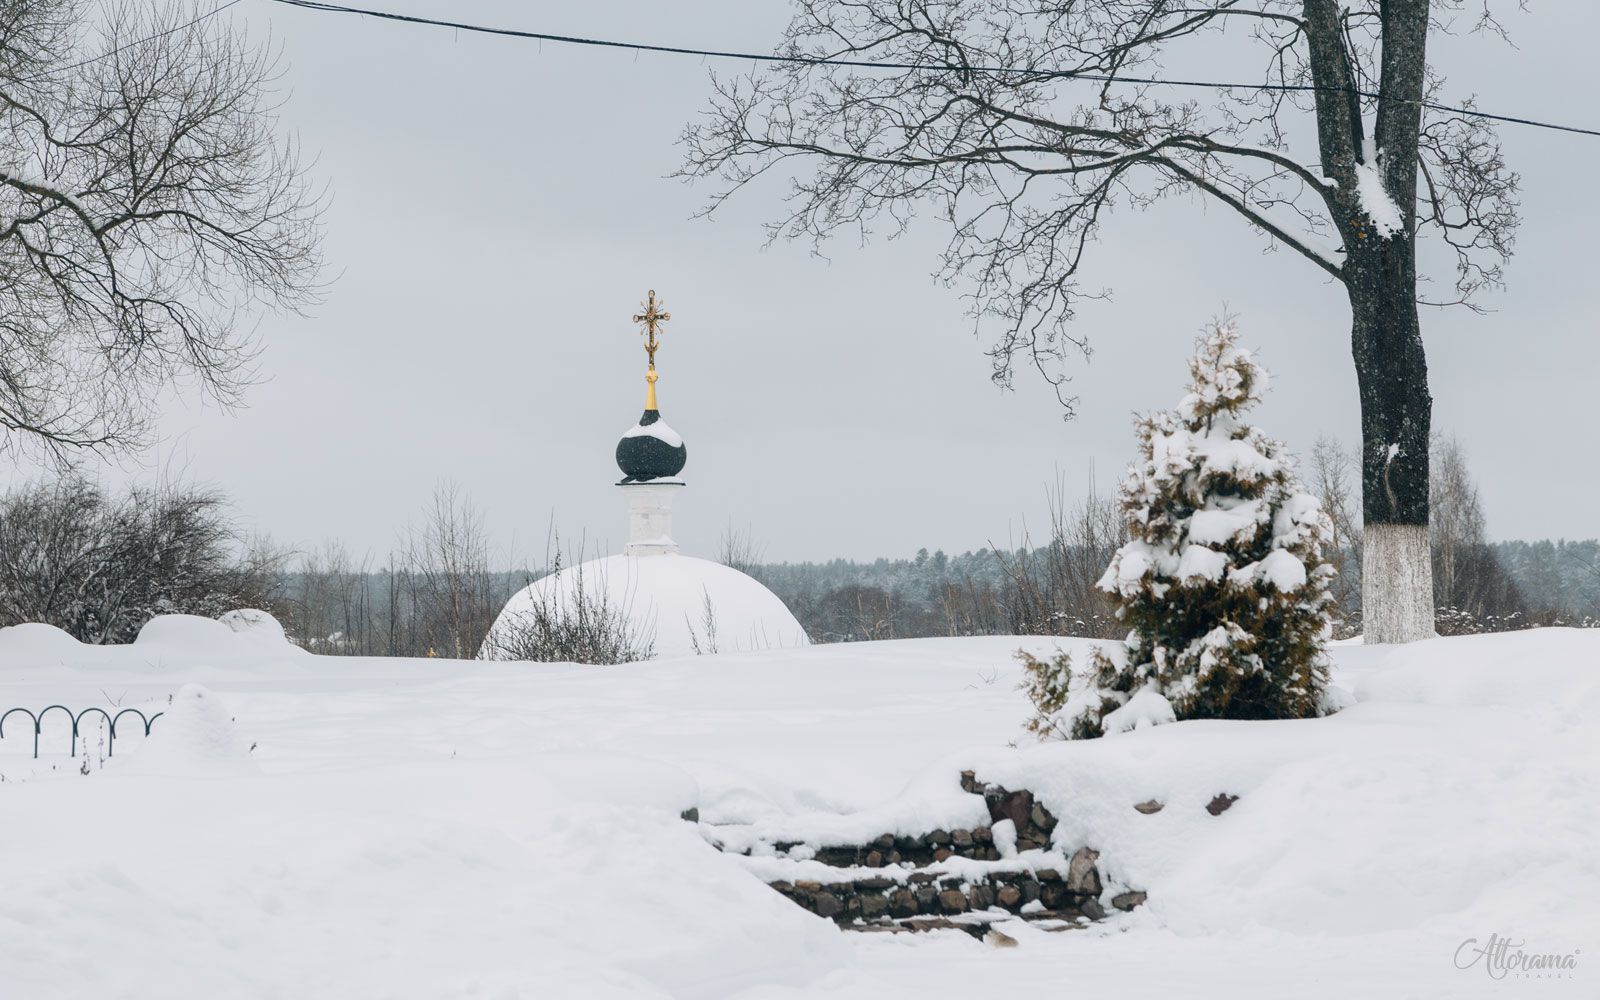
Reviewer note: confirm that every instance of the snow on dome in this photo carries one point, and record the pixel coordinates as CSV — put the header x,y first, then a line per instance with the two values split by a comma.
x,y
665,597
656,429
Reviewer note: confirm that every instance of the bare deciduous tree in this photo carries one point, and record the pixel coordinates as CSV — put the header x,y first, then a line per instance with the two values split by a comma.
x,y
856,613
976,112
1055,590
739,550
451,585
100,567
146,206
330,607
1457,522
1330,479
1468,577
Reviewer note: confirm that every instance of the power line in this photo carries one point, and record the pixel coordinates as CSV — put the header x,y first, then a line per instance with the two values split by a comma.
x,y
128,45
318,5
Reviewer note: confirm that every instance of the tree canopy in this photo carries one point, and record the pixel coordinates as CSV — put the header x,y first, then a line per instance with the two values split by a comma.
x,y
1023,124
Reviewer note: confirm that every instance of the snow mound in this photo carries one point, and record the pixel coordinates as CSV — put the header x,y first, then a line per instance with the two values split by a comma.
x,y
182,630
1145,709
482,830
666,597
255,623
246,632
36,640
193,737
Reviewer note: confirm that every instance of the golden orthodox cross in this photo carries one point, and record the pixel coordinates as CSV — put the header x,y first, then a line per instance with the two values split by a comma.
x,y
651,318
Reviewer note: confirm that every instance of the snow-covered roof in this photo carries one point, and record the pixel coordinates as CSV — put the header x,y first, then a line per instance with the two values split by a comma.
x,y
667,598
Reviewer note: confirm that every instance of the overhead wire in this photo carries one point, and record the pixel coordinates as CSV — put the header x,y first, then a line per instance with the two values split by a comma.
x,y
320,5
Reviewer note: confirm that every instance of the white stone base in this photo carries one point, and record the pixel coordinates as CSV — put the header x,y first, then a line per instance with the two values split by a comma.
x,y
1396,584
650,517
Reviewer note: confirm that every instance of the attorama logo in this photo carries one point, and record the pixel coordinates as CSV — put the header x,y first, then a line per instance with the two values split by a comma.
x,y
1502,958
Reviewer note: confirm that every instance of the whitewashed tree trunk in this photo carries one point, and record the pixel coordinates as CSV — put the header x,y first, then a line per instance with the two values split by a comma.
x,y
1380,275
1396,583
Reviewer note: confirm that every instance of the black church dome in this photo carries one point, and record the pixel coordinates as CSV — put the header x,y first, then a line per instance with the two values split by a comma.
x,y
650,449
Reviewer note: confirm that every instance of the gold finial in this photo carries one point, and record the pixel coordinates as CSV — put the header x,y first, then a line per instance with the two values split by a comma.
x,y
651,318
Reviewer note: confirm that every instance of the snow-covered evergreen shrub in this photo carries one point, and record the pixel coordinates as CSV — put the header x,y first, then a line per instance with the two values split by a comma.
x,y
1223,582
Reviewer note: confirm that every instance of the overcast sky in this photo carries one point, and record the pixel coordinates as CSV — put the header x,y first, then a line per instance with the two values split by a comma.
x,y
499,207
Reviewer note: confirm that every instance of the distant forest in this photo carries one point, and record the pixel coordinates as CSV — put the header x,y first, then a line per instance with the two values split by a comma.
x,y
100,565
842,600
1044,590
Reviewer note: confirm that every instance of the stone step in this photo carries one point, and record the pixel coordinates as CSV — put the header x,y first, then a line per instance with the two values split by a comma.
x,y
894,890
1018,893
1032,823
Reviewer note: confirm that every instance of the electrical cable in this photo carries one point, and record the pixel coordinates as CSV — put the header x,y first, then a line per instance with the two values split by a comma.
x,y
319,5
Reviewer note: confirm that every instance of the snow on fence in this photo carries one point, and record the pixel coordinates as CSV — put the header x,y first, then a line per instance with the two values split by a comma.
x,y
38,724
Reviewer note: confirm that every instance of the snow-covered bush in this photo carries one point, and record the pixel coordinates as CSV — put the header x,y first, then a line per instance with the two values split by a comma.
x,y
1223,582
568,620
99,566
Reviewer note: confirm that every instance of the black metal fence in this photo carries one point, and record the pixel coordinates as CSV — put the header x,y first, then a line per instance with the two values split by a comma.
x,y
38,724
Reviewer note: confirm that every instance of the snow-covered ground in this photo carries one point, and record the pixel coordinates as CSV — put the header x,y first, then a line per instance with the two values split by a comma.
x,y
439,829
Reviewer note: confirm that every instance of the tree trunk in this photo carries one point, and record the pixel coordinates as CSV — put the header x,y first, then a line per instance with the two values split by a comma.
x,y
1396,413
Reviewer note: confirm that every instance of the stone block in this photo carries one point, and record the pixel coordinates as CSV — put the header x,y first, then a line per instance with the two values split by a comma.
x,y
1054,895
952,901
1082,875
1220,804
1041,818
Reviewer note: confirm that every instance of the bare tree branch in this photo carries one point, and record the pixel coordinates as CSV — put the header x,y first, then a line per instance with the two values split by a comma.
x,y
146,211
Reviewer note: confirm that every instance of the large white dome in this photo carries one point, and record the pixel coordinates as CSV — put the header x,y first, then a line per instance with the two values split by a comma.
x,y
665,597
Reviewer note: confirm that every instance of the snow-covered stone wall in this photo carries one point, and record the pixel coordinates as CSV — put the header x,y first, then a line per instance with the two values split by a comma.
x,y
963,878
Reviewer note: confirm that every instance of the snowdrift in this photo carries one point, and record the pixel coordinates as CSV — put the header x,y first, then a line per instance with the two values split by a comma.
x,y
448,829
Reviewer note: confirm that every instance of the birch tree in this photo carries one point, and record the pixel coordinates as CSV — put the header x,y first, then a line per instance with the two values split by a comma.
x,y
1020,122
